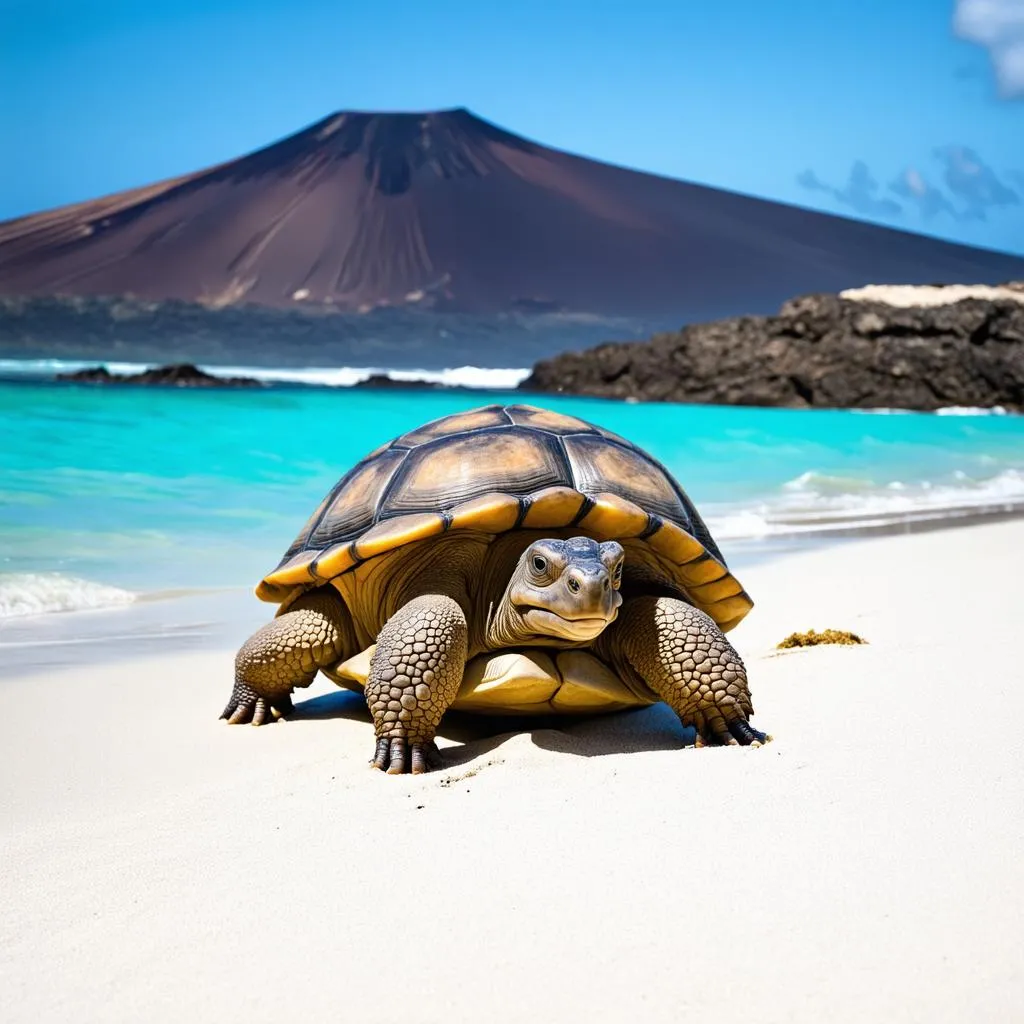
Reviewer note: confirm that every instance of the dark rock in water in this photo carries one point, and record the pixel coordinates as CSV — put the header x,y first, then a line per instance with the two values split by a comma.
x,y
819,351
180,375
186,375
91,375
380,381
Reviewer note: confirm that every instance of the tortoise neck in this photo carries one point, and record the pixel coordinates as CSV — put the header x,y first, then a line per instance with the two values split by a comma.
x,y
503,625
511,619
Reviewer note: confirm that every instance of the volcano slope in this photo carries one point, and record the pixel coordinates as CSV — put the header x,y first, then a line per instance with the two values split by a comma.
x,y
447,211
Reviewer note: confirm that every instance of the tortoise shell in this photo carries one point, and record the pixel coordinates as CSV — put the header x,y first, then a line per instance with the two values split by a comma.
x,y
500,468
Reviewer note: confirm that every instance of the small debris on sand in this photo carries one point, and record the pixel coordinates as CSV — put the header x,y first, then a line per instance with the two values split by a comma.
x,y
827,636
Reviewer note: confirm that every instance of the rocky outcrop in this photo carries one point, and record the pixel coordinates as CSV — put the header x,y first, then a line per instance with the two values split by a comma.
x,y
819,351
179,375
382,382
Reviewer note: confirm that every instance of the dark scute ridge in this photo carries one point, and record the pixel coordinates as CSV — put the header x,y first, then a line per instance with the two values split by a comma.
x,y
345,516
488,478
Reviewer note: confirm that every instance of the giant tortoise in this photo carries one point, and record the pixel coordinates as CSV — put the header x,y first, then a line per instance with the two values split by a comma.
x,y
505,559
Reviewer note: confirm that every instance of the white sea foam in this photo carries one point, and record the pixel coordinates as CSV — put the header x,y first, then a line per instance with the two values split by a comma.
x,y
971,410
502,378
813,503
948,410
807,504
33,593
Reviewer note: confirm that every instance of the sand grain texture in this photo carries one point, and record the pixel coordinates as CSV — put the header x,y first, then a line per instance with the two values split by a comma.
x,y
161,866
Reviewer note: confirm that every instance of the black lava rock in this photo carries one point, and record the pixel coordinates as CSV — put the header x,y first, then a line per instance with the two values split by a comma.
x,y
819,351
179,375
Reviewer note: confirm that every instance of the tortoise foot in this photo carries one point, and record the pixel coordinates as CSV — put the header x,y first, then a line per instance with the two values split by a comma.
x,y
715,730
396,756
246,705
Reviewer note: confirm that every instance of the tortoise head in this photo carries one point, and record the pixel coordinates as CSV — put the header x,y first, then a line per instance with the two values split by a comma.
x,y
562,591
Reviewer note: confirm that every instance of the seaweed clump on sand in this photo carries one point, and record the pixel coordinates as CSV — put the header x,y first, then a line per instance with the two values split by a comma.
x,y
826,636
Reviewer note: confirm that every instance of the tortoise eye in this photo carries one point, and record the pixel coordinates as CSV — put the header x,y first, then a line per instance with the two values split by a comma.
x,y
539,563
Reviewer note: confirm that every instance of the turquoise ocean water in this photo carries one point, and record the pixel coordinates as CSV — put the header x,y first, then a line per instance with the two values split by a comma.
x,y
139,501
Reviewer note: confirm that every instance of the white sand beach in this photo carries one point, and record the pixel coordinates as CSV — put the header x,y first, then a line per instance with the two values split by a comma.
x,y
159,865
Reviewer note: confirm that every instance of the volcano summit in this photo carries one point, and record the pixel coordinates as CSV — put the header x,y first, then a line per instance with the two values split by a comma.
x,y
446,211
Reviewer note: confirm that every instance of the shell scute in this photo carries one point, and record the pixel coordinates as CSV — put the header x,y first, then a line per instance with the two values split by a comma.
x,y
601,465
456,423
553,507
354,503
547,419
389,534
493,513
446,473
610,517
334,561
495,469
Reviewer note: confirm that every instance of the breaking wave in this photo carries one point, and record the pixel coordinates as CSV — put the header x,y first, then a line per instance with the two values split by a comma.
x,y
346,376
946,410
971,410
811,503
486,378
33,593
817,503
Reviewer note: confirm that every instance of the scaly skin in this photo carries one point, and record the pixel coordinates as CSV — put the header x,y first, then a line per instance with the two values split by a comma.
x,y
487,597
682,655
314,633
414,678
575,579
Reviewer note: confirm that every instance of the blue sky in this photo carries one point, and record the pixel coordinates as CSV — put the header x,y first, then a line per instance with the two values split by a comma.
x,y
907,112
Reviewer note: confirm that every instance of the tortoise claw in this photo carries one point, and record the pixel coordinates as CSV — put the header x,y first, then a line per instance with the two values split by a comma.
x,y
246,705
396,755
713,729
746,734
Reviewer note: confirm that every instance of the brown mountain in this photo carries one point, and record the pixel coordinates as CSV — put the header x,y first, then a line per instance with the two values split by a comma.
x,y
445,210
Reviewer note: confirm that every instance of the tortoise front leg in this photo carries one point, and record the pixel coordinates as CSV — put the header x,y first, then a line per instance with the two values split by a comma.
x,y
314,633
682,655
414,677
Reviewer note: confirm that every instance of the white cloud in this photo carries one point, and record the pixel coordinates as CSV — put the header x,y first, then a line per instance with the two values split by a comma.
x,y
998,25
911,184
915,183
973,182
859,192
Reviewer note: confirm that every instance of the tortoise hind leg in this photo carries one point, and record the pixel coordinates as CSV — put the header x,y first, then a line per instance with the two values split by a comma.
x,y
683,656
414,678
286,653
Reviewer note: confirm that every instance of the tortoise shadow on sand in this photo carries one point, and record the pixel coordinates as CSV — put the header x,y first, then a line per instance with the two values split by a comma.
x,y
623,732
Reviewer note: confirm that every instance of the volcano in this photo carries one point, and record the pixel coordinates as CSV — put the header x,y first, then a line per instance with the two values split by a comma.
x,y
447,211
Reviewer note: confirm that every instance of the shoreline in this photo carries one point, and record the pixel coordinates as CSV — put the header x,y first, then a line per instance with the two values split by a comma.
x,y
861,866
487,381
210,619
